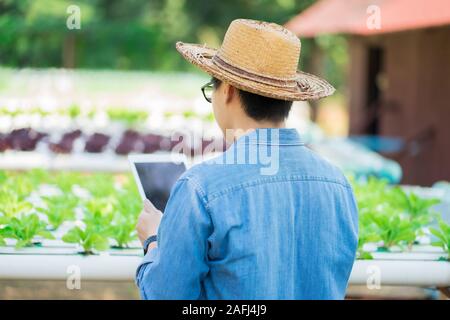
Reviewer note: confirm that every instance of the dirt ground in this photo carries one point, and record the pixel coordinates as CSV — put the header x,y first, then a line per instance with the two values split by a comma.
x,y
57,290
108,290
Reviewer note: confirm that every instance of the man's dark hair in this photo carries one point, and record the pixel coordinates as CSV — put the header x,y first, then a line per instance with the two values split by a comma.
x,y
259,107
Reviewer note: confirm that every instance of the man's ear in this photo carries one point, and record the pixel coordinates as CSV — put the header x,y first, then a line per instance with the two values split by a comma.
x,y
230,93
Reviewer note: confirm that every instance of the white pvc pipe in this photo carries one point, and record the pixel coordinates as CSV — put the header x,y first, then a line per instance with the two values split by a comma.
x,y
60,267
123,268
402,273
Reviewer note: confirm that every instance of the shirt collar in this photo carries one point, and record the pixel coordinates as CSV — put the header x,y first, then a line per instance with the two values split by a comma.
x,y
271,136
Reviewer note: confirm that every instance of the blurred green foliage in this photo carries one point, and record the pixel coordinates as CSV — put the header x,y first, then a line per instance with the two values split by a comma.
x,y
139,34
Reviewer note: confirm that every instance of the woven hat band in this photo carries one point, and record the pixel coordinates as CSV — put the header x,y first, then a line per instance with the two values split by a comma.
x,y
219,62
261,48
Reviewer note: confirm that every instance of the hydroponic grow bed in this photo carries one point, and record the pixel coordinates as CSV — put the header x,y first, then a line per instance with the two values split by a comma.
x,y
70,213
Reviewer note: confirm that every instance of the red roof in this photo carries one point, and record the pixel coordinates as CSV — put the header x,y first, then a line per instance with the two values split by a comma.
x,y
350,16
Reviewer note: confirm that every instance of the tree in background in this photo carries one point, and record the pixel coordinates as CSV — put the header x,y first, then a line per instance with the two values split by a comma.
x,y
137,34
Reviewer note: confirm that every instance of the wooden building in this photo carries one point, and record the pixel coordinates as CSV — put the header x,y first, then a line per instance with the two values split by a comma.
x,y
399,77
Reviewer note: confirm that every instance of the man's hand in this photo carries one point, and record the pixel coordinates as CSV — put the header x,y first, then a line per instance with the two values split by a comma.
x,y
148,221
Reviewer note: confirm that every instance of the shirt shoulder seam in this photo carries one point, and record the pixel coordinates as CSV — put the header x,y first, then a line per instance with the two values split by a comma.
x,y
213,196
198,189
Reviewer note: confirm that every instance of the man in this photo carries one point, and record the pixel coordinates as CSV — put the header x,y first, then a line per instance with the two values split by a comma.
x,y
268,219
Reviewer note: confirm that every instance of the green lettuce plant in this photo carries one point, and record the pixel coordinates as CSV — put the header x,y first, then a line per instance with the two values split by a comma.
x,y
367,233
25,228
443,236
390,214
18,184
66,180
129,117
122,231
416,208
189,114
12,203
35,177
126,209
209,117
14,191
393,228
411,204
100,185
371,194
59,209
88,239
74,111
98,215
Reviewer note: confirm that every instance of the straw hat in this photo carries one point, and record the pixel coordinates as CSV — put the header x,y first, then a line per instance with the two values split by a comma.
x,y
258,57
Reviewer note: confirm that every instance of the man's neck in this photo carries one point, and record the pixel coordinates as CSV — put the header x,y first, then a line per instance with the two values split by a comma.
x,y
246,126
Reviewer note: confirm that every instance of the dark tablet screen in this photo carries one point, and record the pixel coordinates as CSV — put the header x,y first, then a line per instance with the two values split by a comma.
x,y
157,179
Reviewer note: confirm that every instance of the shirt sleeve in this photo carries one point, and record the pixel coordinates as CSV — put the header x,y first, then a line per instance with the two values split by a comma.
x,y
176,267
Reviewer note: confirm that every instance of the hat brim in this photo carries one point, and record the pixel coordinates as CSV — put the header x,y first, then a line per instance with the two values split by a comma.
x,y
309,87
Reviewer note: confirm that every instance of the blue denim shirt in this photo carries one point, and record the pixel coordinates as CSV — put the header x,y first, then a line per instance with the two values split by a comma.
x,y
283,226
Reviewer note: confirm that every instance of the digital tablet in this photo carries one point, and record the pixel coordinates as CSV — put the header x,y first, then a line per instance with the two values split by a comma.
x,y
155,175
